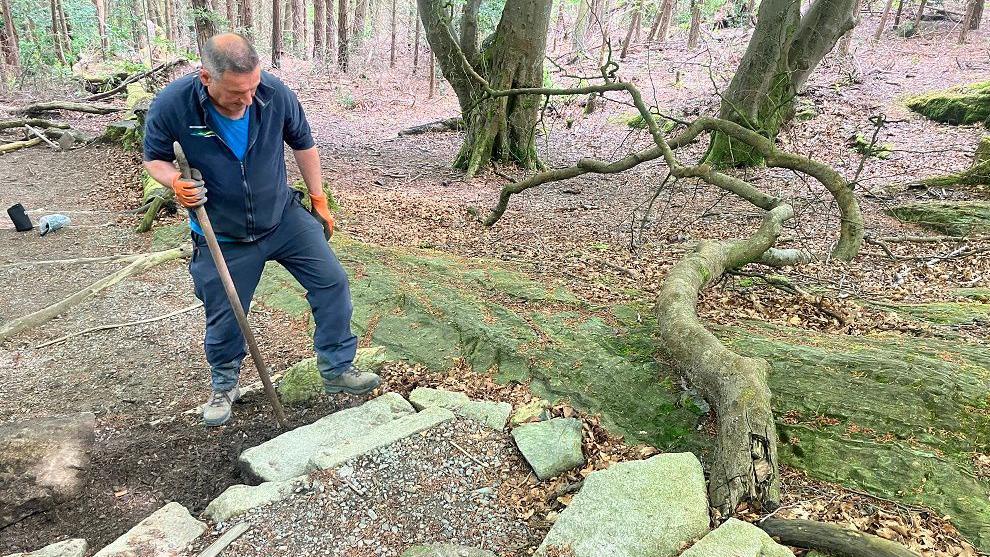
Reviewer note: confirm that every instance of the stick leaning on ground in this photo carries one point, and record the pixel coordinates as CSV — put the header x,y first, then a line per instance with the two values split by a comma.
x,y
235,301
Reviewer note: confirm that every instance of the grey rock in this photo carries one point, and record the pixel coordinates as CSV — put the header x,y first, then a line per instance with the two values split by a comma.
x,y
644,508
530,411
445,550
43,462
67,548
166,532
550,447
739,539
287,455
238,499
330,456
493,414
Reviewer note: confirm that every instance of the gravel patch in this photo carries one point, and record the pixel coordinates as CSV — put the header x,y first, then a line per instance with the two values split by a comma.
x,y
422,489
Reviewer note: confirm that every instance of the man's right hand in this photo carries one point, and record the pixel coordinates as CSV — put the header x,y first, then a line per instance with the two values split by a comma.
x,y
190,193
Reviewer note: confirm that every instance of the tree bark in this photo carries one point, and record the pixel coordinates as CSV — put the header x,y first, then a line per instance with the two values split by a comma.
x,y
831,539
342,34
744,461
977,17
883,19
8,37
846,40
101,26
231,14
433,74
205,27
581,26
360,18
637,13
416,42
967,21
469,30
897,15
319,29
921,13
391,54
501,129
277,33
247,16
299,38
783,51
331,31
695,31
666,15
57,39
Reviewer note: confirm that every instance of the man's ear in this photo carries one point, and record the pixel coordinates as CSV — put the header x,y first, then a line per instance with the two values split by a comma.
x,y
204,76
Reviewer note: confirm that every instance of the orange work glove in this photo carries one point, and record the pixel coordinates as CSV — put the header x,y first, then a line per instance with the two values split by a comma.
x,y
321,211
190,193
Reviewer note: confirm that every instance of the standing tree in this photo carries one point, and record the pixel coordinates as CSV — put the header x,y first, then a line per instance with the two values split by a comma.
x,y
59,36
231,14
319,28
662,22
501,129
695,30
8,37
299,26
101,25
247,16
360,16
342,32
277,33
633,26
391,57
785,48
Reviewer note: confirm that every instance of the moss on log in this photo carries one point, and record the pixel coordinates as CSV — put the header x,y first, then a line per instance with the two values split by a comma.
x,y
977,174
955,218
968,104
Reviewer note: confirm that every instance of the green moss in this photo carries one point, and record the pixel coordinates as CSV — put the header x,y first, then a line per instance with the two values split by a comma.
x,y
956,218
978,294
168,237
862,145
945,313
978,172
968,104
302,381
636,121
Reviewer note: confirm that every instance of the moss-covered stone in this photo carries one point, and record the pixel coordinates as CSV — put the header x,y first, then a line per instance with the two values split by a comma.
x,y
896,416
968,104
956,218
945,313
302,381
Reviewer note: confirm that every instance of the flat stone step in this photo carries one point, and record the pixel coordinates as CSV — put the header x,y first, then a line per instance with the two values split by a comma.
x,y
642,508
492,414
67,548
381,436
287,456
739,539
166,532
240,498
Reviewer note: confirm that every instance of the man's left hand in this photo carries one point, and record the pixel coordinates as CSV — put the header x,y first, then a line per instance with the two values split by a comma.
x,y
322,211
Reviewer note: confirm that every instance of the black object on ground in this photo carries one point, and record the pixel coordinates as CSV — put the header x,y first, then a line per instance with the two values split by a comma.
x,y
21,221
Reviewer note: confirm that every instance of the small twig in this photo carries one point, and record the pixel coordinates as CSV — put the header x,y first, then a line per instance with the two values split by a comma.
x,y
119,325
467,454
354,487
217,547
42,137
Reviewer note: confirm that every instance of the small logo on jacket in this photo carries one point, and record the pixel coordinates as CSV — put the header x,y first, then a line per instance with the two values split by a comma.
x,y
201,131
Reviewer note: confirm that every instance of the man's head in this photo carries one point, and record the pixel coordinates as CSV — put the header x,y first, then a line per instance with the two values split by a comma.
x,y
231,71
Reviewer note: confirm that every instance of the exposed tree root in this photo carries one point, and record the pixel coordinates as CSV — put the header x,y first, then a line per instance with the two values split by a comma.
x,y
744,462
51,106
120,325
15,145
832,539
43,315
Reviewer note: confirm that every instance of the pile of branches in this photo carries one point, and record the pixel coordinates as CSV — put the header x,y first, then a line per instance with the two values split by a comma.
x,y
35,131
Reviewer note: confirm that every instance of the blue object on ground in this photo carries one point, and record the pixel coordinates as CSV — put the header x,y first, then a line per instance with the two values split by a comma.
x,y
50,223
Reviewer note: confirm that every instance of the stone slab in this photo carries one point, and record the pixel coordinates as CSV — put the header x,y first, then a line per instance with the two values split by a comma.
x,y
240,498
738,539
166,532
68,548
551,447
490,413
445,550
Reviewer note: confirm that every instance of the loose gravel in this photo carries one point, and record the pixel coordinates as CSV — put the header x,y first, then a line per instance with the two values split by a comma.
x,y
423,489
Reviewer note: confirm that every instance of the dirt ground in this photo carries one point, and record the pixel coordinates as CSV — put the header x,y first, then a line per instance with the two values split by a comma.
x,y
588,232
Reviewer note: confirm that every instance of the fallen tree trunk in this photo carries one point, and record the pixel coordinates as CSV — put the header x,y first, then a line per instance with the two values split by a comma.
x,y
15,145
51,106
165,66
43,315
155,198
832,539
744,462
36,122
447,124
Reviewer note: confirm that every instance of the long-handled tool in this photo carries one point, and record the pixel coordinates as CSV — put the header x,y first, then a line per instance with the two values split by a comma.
x,y
235,301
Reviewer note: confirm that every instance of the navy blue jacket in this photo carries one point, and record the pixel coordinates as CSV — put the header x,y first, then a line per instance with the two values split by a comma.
x,y
245,200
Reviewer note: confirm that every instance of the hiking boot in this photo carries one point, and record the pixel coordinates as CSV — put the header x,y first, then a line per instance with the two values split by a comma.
x,y
353,382
216,411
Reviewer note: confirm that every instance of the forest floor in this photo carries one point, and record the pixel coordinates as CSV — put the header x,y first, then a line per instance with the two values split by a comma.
x,y
593,235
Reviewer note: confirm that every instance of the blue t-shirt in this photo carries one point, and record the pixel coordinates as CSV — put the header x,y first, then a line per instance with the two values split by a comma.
x,y
235,134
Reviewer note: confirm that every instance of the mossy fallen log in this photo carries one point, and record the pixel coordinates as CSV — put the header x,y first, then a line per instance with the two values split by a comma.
x,y
977,174
956,218
967,104
154,199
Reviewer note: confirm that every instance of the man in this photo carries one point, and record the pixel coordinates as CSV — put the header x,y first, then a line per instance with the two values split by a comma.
x,y
232,121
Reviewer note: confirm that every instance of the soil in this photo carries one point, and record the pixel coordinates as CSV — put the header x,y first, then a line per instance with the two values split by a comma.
x,y
594,233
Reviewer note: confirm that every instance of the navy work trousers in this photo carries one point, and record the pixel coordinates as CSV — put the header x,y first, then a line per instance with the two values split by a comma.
x,y
298,244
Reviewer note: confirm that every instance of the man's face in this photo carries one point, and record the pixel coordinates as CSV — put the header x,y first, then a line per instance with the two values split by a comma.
x,y
232,91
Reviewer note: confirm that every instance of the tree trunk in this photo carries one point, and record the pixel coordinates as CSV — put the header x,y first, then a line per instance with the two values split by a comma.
x,y
57,39
633,23
921,13
744,461
360,18
247,16
101,26
416,43
433,74
967,21
846,40
883,19
277,33
974,20
831,539
783,51
666,15
8,37
319,28
391,54
469,30
695,31
342,34
205,28
502,128
581,26
897,16
231,14
299,27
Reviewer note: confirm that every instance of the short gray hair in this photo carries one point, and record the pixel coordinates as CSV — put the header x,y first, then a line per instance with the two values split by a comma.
x,y
229,52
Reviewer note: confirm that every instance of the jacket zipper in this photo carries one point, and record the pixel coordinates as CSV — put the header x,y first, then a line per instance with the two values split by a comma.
x,y
244,184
